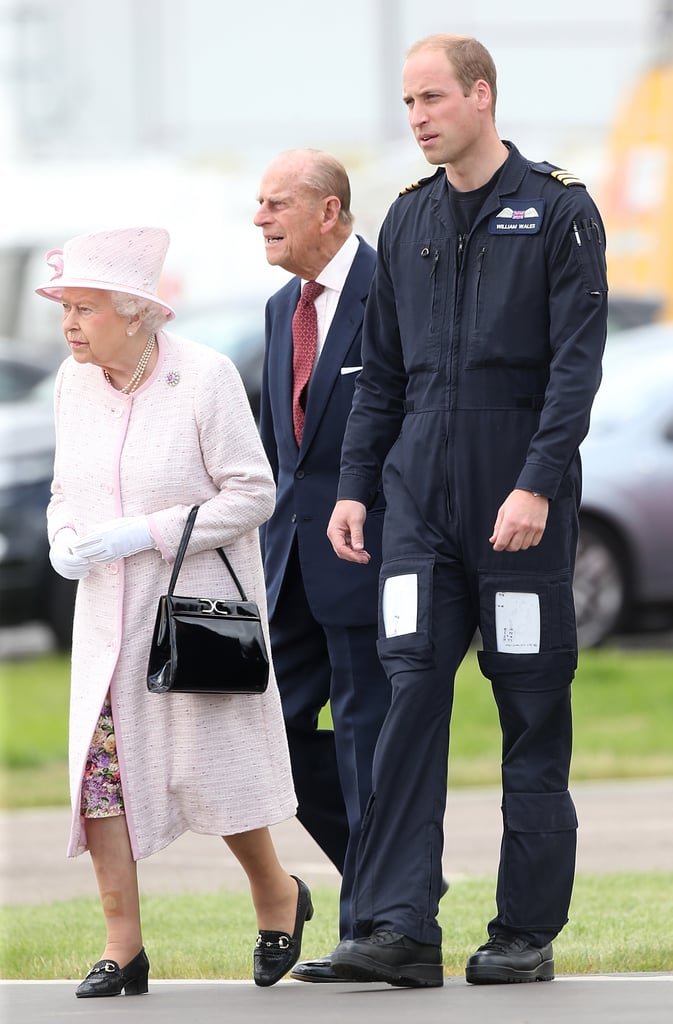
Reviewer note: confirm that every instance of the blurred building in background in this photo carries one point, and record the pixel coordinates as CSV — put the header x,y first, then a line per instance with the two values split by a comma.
x,y
165,112
637,198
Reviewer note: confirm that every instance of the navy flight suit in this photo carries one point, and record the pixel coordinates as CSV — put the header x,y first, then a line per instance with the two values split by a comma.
x,y
482,355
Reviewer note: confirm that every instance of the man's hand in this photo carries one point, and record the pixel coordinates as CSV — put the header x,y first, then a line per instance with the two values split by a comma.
x,y
345,531
521,521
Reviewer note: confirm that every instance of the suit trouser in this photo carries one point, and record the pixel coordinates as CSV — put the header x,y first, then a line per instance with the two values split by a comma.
x,y
315,664
399,871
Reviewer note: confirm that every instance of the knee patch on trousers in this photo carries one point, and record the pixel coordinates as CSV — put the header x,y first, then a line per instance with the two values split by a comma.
x,y
539,812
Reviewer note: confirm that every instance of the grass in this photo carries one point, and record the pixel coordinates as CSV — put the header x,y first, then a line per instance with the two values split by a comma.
x,y
618,923
34,732
623,704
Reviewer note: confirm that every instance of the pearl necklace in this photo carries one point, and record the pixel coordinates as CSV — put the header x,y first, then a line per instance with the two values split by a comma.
x,y
139,370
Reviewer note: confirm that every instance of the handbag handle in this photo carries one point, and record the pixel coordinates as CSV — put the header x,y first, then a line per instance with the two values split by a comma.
x,y
182,548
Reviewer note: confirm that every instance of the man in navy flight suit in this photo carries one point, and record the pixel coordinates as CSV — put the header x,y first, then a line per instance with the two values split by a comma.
x,y
482,350
322,612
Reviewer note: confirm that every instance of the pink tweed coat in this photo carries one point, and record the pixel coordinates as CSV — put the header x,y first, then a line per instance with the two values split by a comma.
x,y
211,764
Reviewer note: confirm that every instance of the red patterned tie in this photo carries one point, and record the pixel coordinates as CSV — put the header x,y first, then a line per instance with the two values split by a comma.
x,y
305,340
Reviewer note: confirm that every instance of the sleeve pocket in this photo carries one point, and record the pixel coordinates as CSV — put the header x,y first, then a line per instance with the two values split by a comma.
x,y
587,242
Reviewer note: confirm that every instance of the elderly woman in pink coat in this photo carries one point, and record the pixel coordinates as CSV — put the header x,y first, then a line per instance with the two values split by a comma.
x,y
149,424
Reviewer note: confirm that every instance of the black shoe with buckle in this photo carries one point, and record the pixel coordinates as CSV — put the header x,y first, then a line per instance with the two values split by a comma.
x,y
509,958
107,978
390,957
277,952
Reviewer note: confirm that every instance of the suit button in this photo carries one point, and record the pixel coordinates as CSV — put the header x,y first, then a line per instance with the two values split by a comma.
x,y
294,517
299,474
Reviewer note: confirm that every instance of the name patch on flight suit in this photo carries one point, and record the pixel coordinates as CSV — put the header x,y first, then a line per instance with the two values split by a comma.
x,y
524,216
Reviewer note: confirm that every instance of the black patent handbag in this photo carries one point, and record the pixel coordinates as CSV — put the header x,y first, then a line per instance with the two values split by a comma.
x,y
206,645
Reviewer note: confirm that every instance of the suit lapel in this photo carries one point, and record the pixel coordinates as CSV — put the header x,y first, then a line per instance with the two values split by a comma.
x,y
343,330
283,372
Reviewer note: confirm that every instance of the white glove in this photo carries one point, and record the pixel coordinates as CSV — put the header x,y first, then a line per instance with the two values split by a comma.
x,y
115,539
64,560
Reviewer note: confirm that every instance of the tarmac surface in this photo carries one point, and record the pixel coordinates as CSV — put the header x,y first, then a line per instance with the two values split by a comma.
x,y
35,869
601,999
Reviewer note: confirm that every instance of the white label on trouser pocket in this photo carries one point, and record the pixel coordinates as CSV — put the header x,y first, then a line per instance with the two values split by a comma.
x,y
399,604
517,623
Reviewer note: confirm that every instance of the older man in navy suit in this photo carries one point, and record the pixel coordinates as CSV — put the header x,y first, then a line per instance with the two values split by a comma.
x,y
322,611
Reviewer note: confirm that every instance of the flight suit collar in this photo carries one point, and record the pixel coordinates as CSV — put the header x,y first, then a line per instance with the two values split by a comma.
x,y
513,172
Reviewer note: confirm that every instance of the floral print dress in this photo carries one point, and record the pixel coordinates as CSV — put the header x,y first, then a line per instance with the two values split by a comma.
x,y
101,785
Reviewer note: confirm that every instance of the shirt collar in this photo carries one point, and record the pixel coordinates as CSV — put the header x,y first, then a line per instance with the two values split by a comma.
x,y
334,275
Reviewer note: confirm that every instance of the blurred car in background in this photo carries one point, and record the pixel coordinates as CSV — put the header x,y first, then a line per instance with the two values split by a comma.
x,y
238,332
624,571
18,373
30,591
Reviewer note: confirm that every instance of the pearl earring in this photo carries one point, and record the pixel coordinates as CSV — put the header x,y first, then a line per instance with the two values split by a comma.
x,y
129,332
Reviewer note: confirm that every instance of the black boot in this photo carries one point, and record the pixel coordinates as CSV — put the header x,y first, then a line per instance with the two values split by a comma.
x,y
507,958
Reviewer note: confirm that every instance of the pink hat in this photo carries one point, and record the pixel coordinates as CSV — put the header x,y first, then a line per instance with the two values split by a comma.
x,y
127,260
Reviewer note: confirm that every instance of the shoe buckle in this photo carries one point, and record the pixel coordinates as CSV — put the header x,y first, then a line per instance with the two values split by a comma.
x,y
106,965
282,943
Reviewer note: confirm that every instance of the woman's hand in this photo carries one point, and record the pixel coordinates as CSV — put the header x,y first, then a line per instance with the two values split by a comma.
x,y
115,539
66,563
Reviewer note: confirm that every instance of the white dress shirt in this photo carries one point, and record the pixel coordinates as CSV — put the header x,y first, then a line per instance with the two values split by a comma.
x,y
333,277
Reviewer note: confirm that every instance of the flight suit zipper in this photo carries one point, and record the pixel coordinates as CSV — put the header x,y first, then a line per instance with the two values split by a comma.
x,y
461,246
480,267
450,357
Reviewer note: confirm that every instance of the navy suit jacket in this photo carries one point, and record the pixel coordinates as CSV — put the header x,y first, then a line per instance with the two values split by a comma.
x,y
339,593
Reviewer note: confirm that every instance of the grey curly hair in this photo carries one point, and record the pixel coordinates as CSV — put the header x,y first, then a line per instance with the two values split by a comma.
x,y
152,315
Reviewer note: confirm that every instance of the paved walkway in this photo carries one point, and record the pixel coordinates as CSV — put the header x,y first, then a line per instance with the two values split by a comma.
x,y
35,868
611,999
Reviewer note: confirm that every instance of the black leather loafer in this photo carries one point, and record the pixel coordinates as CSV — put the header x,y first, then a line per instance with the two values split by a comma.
x,y
277,952
319,971
509,958
390,957
107,978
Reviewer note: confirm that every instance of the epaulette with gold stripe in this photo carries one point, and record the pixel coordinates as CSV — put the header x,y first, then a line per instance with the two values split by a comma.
x,y
566,178
417,184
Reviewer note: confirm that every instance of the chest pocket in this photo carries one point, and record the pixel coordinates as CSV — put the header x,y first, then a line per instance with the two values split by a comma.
x,y
422,272
505,294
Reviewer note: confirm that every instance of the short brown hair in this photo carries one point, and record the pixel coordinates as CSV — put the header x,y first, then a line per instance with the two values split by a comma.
x,y
468,57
